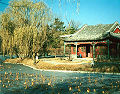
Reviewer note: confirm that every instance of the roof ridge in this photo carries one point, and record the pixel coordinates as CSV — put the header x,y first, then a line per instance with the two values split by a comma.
x,y
113,26
98,24
83,27
75,32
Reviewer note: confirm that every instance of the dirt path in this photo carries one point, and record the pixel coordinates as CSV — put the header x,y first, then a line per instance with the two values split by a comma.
x,y
57,61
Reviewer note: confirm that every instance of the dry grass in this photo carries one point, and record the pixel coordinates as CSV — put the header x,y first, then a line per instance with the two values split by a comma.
x,y
57,64
17,60
43,64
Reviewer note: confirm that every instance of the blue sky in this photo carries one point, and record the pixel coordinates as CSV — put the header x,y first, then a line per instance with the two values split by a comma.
x,y
83,11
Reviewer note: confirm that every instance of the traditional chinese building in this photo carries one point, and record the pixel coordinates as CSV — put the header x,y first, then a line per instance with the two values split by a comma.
x,y
95,41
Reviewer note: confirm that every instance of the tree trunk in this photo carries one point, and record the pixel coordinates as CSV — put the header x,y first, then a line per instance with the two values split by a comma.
x,y
55,52
34,59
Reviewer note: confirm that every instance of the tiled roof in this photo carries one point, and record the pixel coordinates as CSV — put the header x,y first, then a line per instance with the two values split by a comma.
x,y
92,32
115,35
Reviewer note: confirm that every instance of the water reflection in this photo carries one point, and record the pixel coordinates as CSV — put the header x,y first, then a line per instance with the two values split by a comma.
x,y
19,79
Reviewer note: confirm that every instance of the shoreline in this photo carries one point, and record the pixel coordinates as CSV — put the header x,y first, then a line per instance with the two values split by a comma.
x,y
65,71
56,64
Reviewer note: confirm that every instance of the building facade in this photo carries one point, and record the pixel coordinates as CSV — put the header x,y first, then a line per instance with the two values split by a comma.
x,y
95,41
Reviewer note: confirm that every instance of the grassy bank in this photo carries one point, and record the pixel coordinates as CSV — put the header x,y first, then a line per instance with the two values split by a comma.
x,y
57,64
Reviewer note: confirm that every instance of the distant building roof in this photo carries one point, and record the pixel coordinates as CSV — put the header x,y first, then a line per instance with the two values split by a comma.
x,y
93,33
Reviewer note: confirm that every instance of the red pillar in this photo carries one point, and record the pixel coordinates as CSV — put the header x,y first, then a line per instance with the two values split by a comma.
x,y
72,50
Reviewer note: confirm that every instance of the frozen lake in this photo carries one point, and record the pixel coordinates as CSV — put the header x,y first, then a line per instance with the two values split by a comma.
x,y
19,79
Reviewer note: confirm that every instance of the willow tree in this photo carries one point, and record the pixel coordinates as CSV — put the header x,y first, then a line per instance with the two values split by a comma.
x,y
29,32
6,33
